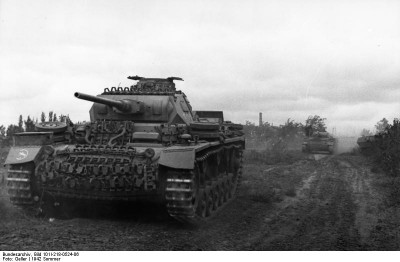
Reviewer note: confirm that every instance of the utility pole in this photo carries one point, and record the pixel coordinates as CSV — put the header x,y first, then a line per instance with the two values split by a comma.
x,y
260,123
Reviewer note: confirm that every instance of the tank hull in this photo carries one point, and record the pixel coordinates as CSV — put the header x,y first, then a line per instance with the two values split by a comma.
x,y
319,145
369,145
192,180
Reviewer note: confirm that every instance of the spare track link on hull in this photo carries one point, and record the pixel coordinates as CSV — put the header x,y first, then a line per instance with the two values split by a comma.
x,y
19,184
189,203
95,173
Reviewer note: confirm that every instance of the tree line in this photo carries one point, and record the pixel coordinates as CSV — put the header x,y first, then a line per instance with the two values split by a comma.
x,y
26,125
289,130
380,127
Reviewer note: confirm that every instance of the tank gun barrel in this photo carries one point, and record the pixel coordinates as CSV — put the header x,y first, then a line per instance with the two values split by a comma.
x,y
118,104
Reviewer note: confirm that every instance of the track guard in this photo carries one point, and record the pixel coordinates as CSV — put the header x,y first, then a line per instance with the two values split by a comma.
x,y
180,158
25,154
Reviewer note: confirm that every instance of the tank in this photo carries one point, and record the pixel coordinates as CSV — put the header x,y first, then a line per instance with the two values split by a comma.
x,y
368,144
319,142
143,142
383,143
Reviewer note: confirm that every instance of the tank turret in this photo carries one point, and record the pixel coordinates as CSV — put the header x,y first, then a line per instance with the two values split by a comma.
x,y
151,100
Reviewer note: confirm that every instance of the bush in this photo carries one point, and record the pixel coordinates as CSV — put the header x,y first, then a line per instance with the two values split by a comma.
x,y
272,156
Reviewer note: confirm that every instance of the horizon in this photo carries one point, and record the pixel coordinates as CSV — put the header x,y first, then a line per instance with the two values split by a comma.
x,y
336,59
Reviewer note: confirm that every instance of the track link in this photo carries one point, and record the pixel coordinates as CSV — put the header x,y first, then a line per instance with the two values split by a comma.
x,y
19,184
180,193
189,202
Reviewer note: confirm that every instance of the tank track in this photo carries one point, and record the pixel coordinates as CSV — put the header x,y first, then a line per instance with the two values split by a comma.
x,y
19,184
188,202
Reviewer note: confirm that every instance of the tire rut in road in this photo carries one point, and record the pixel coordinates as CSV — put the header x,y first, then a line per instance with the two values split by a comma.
x,y
323,219
366,196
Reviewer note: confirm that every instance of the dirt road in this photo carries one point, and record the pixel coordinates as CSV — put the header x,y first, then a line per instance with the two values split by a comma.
x,y
319,203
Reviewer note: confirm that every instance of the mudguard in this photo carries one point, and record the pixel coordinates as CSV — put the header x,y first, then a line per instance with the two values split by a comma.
x,y
25,154
175,157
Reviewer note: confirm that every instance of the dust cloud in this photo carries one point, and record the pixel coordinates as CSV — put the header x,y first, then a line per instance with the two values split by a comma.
x,y
346,144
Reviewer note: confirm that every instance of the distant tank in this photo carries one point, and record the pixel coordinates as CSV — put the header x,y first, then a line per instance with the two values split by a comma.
x,y
319,142
368,144
378,144
142,142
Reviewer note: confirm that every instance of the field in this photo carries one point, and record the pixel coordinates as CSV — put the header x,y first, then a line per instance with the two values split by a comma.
x,y
296,202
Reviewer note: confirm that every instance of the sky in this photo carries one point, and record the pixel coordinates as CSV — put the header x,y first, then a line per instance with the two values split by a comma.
x,y
287,59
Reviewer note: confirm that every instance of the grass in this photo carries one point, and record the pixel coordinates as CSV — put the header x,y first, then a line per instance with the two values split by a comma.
x,y
387,231
272,157
274,151
290,192
391,188
267,196
270,183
